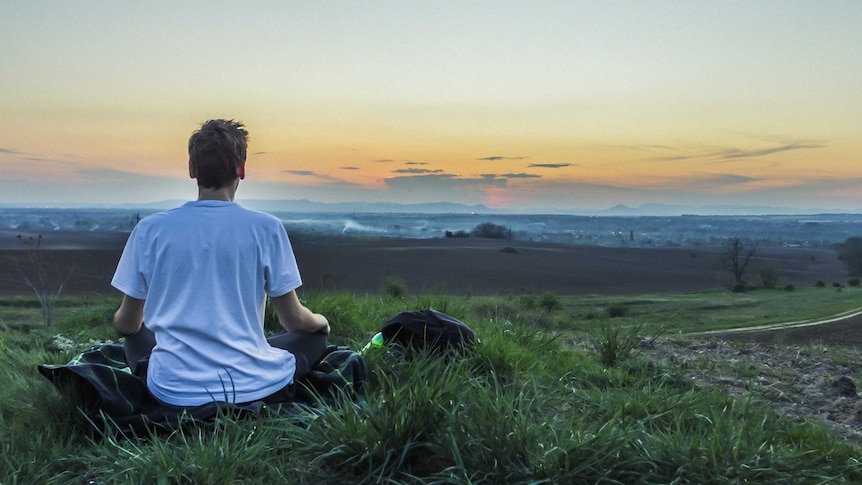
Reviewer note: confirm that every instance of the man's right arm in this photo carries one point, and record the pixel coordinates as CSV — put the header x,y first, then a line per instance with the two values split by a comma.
x,y
130,316
295,317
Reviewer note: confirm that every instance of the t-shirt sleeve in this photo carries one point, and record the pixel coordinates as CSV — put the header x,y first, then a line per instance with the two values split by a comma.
x,y
282,272
128,277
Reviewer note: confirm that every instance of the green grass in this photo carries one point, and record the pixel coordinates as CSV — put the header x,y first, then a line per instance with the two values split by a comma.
x,y
713,310
526,406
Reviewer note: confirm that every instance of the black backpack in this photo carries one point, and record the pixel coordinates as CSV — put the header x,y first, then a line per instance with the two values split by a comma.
x,y
428,329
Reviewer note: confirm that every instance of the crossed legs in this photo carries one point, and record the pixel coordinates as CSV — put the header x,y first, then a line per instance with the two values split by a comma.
x,y
308,349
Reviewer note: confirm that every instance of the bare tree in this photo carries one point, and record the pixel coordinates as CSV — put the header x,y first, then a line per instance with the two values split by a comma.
x,y
738,256
44,284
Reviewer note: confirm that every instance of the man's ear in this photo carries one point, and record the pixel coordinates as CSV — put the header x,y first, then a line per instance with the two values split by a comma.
x,y
191,170
240,171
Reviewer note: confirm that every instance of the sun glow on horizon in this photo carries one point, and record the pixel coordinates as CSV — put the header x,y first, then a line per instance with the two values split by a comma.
x,y
560,105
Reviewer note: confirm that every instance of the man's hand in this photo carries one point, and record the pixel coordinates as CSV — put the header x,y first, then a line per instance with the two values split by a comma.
x,y
295,317
130,316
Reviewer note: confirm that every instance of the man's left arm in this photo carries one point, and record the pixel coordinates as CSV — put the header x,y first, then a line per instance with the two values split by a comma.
x,y
295,317
130,316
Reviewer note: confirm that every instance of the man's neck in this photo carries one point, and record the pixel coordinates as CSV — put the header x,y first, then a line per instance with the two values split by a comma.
x,y
226,193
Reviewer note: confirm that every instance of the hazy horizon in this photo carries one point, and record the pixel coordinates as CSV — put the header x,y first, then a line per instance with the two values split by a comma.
x,y
442,208
564,106
63,227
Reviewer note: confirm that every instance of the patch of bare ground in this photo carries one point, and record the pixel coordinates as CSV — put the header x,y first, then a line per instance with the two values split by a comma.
x,y
497,267
808,381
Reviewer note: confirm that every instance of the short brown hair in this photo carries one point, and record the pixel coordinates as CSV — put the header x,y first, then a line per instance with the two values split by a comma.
x,y
216,150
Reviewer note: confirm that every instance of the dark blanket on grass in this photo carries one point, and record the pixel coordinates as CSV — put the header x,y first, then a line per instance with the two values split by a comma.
x,y
114,400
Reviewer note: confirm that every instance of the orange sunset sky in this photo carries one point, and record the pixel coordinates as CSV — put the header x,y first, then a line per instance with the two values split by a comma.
x,y
536,106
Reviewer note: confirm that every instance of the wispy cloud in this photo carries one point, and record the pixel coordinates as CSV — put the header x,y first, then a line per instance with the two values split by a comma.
x,y
520,176
737,153
411,162
349,168
428,182
495,158
259,153
416,170
701,182
450,185
383,160
550,165
637,147
731,154
69,163
677,158
727,179
327,180
110,175
58,161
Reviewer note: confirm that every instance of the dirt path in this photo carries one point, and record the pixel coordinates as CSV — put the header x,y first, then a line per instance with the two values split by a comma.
x,y
842,329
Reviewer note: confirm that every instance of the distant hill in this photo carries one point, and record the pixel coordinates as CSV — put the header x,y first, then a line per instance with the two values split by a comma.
x,y
621,210
308,206
301,205
367,207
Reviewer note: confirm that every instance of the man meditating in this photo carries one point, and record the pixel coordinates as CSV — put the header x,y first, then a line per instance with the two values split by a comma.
x,y
195,281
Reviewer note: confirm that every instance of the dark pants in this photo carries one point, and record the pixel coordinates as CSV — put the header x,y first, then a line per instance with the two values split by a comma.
x,y
307,348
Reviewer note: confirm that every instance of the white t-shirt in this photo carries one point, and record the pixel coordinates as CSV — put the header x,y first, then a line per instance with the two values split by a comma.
x,y
205,269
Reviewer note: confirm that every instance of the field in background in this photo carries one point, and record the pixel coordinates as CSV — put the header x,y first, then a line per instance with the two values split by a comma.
x,y
474,267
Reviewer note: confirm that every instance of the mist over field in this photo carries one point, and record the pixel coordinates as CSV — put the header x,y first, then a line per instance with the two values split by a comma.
x,y
814,231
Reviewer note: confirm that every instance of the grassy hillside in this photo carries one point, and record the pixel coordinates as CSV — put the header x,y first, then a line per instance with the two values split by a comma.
x,y
536,402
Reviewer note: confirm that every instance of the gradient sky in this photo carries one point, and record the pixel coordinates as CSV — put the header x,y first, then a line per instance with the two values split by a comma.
x,y
559,106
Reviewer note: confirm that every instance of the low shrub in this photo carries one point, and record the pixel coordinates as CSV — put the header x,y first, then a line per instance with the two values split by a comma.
x,y
489,309
394,287
614,342
550,302
768,278
617,310
527,301
88,316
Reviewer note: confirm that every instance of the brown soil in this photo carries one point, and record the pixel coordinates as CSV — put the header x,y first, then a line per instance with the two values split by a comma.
x,y
453,266
471,266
